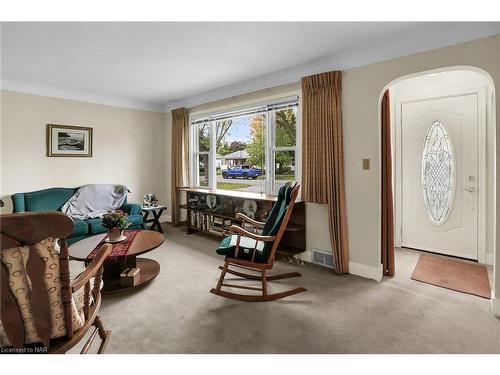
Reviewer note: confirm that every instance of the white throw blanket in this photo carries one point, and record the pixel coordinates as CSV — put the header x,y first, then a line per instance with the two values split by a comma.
x,y
95,200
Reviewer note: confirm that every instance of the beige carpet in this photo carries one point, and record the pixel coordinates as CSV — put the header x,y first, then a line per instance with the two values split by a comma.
x,y
453,274
338,314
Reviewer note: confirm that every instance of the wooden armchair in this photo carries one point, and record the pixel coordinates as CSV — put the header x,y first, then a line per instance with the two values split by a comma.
x,y
255,252
42,310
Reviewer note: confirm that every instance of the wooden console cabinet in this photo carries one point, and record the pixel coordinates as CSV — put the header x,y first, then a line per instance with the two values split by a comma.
x,y
216,215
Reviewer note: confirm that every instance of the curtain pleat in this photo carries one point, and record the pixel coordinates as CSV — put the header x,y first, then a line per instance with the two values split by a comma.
x,y
323,157
180,158
387,204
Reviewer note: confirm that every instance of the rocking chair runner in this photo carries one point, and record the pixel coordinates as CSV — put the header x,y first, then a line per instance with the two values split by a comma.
x,y
255,252
41,308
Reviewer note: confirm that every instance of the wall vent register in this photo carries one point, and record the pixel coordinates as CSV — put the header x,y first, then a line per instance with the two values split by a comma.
x,y
322,257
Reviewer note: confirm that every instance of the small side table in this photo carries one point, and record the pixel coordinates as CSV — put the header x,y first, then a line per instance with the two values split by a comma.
x,y
156,211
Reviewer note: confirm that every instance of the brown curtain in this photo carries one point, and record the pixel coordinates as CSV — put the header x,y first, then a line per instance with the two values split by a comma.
x,y
387,209
180,157
322,157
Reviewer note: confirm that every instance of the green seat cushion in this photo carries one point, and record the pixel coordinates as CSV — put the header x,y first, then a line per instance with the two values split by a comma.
x,y
80,228
96,227
228,247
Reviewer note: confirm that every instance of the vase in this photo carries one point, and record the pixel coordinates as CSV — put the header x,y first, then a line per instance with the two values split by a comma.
x,y
115,234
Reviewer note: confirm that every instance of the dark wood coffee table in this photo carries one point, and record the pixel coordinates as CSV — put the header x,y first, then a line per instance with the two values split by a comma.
x,y
144,241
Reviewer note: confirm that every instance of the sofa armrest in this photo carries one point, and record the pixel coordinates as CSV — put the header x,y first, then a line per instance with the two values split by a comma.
x,y
18,202
131,208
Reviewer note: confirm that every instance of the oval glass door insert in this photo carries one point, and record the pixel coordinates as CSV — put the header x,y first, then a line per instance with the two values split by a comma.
x,y
438,173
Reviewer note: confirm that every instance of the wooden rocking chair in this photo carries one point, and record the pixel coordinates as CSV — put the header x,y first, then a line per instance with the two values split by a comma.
x,y
42,310
255,252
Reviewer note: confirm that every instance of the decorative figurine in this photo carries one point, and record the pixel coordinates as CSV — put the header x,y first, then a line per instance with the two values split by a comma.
x,y
149,200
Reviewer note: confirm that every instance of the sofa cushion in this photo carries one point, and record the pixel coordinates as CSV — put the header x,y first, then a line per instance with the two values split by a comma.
x,y
131,209
96,227
135,220
80,228
52,200
48,199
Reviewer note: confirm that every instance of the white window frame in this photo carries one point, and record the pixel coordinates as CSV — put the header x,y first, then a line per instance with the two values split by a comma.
x,y
193,158
271,148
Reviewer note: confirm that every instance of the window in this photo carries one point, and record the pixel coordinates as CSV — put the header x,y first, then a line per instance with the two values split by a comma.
x,y
284,124
253,149
202,154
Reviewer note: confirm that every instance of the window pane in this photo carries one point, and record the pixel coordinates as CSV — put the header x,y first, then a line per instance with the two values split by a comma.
x,y
204,137
284,165
285,127
240,143
203,170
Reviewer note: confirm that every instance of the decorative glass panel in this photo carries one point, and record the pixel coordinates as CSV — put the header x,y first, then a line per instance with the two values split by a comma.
x,y
438,173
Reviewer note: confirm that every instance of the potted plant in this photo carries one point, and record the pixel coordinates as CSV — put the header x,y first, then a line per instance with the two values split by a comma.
x,y
115,222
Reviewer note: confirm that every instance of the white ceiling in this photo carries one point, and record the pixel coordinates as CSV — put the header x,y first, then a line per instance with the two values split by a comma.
x,y
161,65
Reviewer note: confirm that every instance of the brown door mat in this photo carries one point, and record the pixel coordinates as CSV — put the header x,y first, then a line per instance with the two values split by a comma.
x,y
452,274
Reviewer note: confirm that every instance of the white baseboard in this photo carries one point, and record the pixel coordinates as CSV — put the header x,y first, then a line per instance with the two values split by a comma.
x,y
490,257
370,272
358,269
165,218
495,305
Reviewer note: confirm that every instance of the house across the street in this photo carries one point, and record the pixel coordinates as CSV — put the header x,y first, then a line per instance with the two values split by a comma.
x,y
235,158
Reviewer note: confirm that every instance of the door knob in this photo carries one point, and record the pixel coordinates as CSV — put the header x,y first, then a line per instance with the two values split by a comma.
x,y
472,189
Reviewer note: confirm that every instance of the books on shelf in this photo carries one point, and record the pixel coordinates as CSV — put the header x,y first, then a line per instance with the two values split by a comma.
x,y
199,220
209,222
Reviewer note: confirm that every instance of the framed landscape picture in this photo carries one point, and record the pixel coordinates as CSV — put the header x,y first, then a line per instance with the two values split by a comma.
x,y
65,140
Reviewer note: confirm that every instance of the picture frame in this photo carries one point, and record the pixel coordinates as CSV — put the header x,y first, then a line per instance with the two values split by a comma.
x,y
69,141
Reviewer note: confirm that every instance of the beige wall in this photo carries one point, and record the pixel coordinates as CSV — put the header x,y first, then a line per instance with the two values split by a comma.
x,y
129,147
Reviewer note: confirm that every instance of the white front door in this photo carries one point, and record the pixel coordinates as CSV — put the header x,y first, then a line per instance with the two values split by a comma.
x,y
439,175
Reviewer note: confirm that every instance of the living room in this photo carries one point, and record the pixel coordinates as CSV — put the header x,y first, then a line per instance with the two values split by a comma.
x,y
194,197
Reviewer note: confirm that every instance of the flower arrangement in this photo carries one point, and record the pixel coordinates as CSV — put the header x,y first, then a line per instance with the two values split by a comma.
x,y
115,219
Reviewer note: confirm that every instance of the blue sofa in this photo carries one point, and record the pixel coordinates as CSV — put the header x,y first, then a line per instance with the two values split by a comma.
x,y
53,199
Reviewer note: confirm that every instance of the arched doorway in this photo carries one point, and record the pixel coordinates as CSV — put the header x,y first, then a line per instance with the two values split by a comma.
x,y
448,208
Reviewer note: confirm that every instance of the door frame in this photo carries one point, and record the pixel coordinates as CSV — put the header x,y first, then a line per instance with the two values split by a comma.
x,y
482,164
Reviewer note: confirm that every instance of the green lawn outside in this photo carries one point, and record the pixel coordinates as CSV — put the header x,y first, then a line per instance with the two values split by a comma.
x,y
231,186
284,177
280,177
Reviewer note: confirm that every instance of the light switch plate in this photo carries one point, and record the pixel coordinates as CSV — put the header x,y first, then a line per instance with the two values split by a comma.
x,y
366,164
